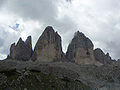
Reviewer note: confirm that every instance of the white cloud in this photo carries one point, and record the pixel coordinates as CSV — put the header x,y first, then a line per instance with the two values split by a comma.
x,y
2,56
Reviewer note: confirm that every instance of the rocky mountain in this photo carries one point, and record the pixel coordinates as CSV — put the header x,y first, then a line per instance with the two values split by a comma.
x,y
102,57
48,47
22,50
48,68
80,50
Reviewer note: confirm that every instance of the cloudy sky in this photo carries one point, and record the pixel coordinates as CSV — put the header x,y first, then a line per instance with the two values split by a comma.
x,y
97,19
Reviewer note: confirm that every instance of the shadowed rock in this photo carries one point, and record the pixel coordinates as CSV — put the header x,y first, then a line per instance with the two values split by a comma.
x,y
102,57
99,55
28,43
80,50
48,47
22,50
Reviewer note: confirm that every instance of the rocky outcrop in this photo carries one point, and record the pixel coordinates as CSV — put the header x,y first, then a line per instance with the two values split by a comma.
x,y
22,50
80,50
99,55
48,47
28,43
102,57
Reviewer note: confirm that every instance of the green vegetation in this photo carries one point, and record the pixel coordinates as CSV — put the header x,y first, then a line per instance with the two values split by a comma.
x,y
34,80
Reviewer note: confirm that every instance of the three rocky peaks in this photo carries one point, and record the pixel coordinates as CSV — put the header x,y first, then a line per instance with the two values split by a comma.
x,y
49,48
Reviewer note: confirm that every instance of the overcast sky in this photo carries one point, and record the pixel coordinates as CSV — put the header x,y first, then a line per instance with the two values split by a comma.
x,y
97,19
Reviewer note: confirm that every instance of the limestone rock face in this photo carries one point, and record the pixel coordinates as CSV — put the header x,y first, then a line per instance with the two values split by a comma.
x,y
102,57
28,43
48,47
99,55
12,49
22,50
80,50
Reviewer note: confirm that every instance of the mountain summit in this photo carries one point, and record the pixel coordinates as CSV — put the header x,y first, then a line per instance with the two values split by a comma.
x,y
80,50
22,50
48,47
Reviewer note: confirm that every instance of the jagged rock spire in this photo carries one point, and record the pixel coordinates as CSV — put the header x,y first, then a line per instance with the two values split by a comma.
x,y
22,50
12,49
48,47
80,50
82,41
102,57
99,55
28,43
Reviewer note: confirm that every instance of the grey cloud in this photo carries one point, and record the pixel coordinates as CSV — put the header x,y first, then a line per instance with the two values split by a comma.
x,y
1,42
44,10
2,2
6,39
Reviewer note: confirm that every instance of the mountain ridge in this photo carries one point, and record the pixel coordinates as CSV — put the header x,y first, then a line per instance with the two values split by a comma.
x,y
81,63
80,50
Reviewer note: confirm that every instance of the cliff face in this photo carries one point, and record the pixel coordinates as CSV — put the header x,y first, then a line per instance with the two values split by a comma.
x,y
48,47
80,50
102,57
22,50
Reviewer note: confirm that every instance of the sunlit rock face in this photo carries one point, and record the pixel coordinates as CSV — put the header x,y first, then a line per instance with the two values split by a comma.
x,y
22,50
48,47
80,50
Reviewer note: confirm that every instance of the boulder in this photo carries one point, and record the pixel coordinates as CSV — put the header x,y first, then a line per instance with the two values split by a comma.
x,y
48,47
22,50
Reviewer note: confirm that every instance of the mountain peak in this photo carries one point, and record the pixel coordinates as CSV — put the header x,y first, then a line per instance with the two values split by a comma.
x,y
102,57
79,34
80,50
80,40
22,50
48,47
49,29
28,41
